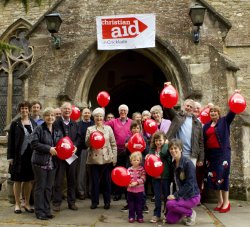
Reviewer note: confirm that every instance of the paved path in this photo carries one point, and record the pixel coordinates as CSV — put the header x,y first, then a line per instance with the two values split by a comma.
x,y
238,217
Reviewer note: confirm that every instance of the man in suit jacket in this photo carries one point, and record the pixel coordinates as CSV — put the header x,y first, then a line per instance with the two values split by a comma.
x,y
69,128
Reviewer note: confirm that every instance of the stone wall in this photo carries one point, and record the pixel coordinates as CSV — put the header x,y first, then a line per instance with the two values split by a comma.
x,y
212,64
15,10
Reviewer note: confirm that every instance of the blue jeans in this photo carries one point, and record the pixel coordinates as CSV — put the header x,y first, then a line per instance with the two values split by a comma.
x,y
161,188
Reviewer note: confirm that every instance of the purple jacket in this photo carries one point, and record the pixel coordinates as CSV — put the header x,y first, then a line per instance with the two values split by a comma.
x,y
165,124
121,132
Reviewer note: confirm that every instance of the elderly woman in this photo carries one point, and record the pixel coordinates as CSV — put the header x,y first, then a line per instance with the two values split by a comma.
x,y
19,155
101,160
218,156
44,162
157,114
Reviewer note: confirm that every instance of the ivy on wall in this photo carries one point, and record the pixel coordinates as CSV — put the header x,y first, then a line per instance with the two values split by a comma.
x,y
7,47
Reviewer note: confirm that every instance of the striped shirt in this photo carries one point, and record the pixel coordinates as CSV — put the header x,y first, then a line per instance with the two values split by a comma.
x,y
137,175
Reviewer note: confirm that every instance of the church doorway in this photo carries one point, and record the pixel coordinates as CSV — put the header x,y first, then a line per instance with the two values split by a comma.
x,y
130,78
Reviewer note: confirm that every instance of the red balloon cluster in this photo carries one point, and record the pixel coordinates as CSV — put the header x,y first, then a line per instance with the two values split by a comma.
x,y
97,140
169,96
237,103
75,114
103,98
205,116
120,176
64,148
153,165
150,126
136,143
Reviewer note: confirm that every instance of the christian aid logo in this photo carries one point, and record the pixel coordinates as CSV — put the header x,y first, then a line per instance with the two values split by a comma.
x,y
117,28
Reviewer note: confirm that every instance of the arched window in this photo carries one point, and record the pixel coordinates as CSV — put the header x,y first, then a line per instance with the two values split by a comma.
x,y
12,66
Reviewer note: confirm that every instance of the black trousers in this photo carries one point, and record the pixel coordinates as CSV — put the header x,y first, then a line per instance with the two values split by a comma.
x,y
101,174
44,180
121,161
70,170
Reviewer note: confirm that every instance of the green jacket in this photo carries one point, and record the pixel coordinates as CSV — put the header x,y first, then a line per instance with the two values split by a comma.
x,y
166,159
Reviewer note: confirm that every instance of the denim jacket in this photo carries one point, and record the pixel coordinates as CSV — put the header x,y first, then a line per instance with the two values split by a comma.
x,y
185,179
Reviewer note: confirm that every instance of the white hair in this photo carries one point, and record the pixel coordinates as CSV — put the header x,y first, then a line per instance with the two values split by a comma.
x,y
156,108
197,105
123,107
98,110
146,112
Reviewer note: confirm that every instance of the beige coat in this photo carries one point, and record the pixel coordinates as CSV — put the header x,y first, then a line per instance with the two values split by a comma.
x,y
107,154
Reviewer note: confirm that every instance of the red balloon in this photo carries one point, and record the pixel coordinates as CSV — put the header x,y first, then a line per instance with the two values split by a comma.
x,y
120,176
153,165
64,148
205,116
136,143
169,96
150,126
97,140
103,98
237,103
76,113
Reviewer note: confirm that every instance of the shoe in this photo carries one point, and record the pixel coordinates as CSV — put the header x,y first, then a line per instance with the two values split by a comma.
x,y
131,220
42,217
124,209
218,208
117,197
17,211
56,208
145,209
154,219
72,207
81,196
191,220
140,220
226,209
93,206
50,216
107,206
152,199
29,210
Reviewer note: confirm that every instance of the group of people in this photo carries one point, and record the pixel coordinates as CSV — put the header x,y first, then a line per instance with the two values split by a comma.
x,y
185,147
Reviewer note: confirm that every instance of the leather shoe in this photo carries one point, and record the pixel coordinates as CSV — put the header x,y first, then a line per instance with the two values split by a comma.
x,y
17,211
93,206
56,208
42,217
29,210
218,208
72,207
81,196
226,209
117,197
107,206
50,216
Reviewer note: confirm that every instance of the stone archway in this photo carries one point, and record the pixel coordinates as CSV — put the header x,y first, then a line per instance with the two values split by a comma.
x,y
130,78
90,62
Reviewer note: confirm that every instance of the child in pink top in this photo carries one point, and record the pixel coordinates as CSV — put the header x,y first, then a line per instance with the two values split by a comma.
x,y
136,187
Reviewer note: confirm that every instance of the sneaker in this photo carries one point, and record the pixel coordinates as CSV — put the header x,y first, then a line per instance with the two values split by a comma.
x,y
124,209
154,219
131,220
191,220
140,220
145,209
